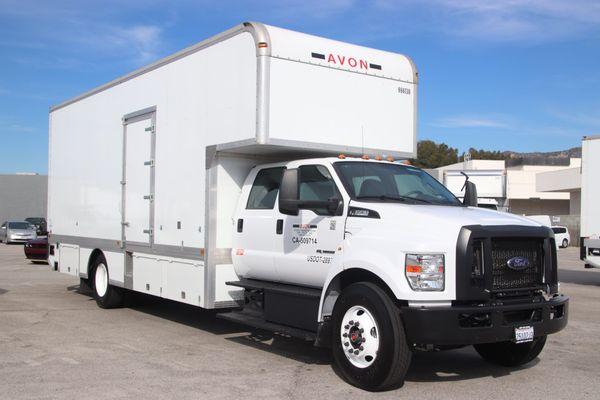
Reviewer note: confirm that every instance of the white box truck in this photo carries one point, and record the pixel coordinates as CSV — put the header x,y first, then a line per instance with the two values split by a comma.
x,y
491,186
236,173
590,201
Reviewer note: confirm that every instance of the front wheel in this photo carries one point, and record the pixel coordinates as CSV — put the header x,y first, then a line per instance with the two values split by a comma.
x,y
369,343
510,354
106,295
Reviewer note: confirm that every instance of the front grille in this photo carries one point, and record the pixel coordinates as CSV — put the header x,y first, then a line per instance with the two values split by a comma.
x,y
503,250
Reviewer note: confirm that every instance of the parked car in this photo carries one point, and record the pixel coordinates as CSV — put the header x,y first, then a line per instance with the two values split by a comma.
x,y
17,231
562,236
40,225
36,249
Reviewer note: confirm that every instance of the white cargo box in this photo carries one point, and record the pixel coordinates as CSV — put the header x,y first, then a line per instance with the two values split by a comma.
x,y
490,183
148,168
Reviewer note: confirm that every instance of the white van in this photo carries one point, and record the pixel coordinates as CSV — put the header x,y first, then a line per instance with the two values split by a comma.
x,y
561,236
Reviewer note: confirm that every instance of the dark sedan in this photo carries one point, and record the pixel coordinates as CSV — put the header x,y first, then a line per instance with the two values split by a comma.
x,y
37,249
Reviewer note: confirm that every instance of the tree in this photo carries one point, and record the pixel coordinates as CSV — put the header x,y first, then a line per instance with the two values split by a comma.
x,y
434,155
486,155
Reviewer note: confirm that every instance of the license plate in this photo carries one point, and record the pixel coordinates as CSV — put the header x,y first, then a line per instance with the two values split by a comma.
x,y
524,334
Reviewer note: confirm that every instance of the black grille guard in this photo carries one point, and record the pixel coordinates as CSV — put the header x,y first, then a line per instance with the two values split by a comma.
x,y
474,288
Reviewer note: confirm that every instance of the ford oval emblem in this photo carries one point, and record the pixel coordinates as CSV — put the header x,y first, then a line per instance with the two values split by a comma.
x,y
518,263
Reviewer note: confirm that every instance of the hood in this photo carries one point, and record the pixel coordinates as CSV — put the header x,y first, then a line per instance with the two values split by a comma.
x,y
426,224
13,230
449,215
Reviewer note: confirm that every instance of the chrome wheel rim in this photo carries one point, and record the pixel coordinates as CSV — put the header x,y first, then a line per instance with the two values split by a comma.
x,y
359,336
101,280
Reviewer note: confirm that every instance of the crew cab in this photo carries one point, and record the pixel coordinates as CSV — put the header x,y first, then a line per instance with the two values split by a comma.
x,y
394,263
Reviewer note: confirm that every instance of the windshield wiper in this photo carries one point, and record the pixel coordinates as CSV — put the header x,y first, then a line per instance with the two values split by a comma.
x,y
393,198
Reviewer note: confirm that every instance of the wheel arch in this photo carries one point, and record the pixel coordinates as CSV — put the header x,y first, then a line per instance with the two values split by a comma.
x,y
95,254
344,278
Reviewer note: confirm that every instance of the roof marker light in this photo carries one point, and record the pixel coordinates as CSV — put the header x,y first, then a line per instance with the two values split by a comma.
x,y
342,156
365,157
390,158
262,45
378,158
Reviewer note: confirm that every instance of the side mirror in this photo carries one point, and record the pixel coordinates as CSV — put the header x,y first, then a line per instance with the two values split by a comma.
x,y
470,198
288,192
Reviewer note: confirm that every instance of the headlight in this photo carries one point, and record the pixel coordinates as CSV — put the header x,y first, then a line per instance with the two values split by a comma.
x,y
425,272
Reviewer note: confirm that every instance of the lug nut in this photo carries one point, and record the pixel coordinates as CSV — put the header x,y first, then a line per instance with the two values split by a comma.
x,y
361,330
346,326
364,340
356,323
346,344
345,335
351,322
361,348
350,351
356,352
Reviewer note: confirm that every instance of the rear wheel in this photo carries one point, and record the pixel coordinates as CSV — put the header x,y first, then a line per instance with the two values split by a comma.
x,y
106,295
565,243
369,343
510,354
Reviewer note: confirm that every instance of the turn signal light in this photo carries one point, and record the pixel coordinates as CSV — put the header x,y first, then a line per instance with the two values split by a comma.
x,y
414,269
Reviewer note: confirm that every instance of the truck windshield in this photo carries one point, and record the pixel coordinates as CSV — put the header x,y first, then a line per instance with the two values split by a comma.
x,y
383,182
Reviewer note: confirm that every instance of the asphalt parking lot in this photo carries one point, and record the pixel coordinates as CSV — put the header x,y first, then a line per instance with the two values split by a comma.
x,y
55,343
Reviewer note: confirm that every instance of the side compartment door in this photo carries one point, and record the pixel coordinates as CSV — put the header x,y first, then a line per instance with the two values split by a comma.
x,y
138,178
255,227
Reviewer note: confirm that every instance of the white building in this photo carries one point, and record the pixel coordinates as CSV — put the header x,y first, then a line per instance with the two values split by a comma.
x,y
512,185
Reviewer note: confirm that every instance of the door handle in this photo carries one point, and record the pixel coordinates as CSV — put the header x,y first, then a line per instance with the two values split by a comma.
x,y
279,228
240,225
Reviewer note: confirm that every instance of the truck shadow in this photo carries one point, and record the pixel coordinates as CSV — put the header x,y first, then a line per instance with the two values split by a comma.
x,y
442,366
455,365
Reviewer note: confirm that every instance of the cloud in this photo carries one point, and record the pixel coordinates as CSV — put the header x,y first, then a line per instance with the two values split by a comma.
x,y
463,121
141,41
65,32
14,128
583,119
514,21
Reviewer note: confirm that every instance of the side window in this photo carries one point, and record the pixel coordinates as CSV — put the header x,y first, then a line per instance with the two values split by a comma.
x,y
316,183
264,189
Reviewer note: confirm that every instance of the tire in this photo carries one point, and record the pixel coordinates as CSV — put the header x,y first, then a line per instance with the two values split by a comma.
x,y
565,243
385,354
510,354
106,295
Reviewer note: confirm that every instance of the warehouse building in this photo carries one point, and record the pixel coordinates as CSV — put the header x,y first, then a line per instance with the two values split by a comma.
x,y
22,196
512,185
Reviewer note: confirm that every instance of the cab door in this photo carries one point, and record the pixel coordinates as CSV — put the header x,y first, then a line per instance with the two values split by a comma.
x,y
308,245
255,226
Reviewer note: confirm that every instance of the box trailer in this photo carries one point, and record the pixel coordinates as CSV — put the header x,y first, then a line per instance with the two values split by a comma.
x,y
491,186
590,201
256,173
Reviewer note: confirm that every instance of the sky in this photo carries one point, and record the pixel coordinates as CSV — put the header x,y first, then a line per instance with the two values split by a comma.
x,y
495,75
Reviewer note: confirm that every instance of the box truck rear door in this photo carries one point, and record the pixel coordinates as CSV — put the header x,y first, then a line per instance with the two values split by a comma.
x,y
138,187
